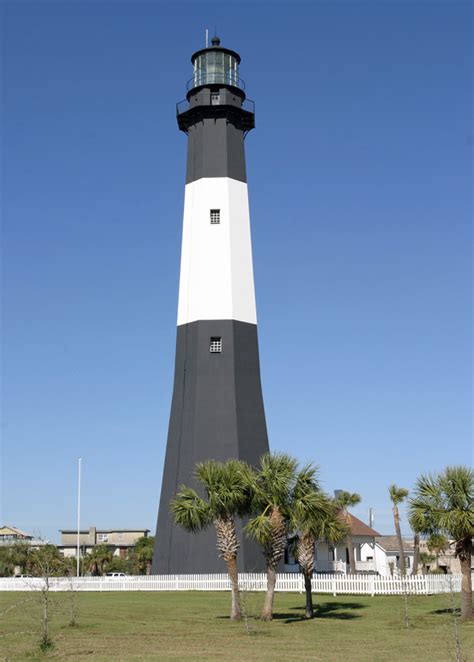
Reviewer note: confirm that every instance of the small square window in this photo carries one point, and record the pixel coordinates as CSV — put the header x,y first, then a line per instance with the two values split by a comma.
x,y
215,216
215,345
215,98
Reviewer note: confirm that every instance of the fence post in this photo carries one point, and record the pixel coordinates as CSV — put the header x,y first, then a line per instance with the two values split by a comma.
x,y
372,585
334,586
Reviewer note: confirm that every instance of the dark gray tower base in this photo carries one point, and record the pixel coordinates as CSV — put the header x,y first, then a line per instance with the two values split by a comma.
x,y
216,413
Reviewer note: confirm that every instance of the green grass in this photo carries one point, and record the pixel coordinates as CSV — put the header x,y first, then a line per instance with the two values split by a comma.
x,y
195,626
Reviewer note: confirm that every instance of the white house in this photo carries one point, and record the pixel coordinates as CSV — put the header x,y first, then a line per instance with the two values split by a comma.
x,y
335,558
386,555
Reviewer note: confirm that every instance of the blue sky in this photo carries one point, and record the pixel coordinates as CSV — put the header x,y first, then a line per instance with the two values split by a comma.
x,y
359,178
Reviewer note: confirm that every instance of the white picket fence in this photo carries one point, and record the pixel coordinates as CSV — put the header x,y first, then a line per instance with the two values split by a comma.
x,y
291,582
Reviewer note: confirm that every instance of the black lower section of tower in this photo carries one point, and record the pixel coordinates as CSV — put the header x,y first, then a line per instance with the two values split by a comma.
x,y
217,413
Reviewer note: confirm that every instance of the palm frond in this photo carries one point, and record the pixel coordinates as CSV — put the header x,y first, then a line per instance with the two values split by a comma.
x,y
397,494
443,504
190,511
348,499
260,528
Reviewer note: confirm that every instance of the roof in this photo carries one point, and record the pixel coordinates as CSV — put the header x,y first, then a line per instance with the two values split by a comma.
x,y
390,544
7,530
358,527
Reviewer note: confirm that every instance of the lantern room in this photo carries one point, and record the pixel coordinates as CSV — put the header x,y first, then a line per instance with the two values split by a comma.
x,y
216,66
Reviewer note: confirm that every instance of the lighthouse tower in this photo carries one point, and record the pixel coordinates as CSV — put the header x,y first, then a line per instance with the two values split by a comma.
x,y
217,407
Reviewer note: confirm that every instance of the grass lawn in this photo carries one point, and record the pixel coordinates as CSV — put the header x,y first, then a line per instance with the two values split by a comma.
x,y
195,626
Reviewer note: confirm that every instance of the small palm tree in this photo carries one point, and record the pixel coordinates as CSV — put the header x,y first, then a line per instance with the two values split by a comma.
x,y
444,504
425,559
272,486
98,559
142,555
314,516
344,501
397,495
227,490
437,544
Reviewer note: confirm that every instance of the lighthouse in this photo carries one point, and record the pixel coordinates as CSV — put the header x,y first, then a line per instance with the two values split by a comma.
x,y
217,409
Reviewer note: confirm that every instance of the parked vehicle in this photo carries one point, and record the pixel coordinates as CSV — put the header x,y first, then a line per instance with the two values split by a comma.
x,y
116,574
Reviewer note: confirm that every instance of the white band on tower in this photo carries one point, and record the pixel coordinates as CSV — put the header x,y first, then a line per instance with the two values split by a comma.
x,y
216,279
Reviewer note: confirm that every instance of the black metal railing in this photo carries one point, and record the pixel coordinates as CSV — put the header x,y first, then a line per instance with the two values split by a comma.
x,y
184,105
215,78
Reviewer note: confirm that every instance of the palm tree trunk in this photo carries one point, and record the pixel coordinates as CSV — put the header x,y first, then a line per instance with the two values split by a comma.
x,y
228,545
306,559
464,550
274,552
267,611
396,519
350,549
235,610
309,612
416,553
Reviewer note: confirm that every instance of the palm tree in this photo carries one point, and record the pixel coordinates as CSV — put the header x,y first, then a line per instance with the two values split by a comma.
x,y
437,544
344,501
444,504
425,559
98,559
314,517
142,555
397,495
416,553
227,496
272,486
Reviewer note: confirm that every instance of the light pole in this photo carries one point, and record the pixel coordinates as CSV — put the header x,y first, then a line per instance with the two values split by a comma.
x,y
78,550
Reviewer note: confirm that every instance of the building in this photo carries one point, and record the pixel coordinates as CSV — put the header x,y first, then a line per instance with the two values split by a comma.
x,y
217,407
446,561
335,558
386,555
9,535
119,541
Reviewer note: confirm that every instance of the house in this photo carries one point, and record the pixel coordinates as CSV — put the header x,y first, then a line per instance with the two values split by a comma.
x,y
10,535
119,541
335,558
446,561
385,554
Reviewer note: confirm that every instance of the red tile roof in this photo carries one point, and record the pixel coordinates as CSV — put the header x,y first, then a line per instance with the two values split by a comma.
x,y
358,527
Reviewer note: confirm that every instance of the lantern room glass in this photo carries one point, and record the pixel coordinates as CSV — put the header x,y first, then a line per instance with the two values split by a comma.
x,y
216,67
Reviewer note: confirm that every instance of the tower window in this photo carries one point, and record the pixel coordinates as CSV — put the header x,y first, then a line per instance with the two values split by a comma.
x,y
215,98
215,345
215,216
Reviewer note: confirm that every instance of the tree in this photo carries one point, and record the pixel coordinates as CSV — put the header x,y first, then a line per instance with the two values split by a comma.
x,y
227,496
98,560
45,562
425,559
14,558
397,495
443,503
142,555
314,516
437,544
347,500
416,553
272,486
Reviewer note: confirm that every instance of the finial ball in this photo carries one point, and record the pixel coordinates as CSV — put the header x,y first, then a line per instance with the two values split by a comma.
x,y
215,41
